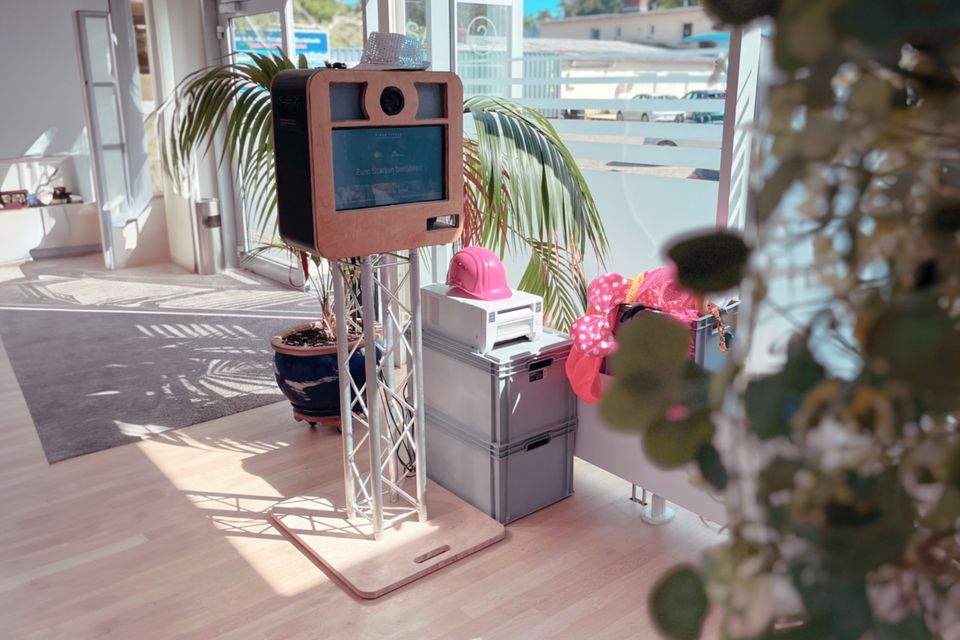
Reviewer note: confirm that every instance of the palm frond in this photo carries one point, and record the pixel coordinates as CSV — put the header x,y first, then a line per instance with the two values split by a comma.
x,y
237,96
524,192
564,289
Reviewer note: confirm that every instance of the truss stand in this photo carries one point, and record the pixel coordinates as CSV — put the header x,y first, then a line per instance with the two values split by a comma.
x,y
389,408
382,417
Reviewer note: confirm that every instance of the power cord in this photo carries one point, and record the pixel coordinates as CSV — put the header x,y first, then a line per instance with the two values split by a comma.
x,y
406,456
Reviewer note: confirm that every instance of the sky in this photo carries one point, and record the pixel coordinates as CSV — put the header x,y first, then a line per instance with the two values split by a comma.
x,y
533,7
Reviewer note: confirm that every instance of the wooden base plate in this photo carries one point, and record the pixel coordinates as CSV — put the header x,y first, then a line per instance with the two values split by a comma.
x,y
407,551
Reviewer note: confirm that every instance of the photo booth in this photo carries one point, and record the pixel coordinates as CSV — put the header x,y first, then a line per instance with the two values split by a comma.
x,y
368,161
369,170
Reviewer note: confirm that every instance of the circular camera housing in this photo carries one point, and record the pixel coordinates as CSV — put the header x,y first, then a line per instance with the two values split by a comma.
x,y
391,101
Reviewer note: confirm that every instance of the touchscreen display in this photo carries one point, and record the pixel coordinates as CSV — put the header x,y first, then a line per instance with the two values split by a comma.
x,y
382,166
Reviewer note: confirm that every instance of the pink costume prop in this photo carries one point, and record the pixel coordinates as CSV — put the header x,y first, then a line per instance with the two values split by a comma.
x,y
592,334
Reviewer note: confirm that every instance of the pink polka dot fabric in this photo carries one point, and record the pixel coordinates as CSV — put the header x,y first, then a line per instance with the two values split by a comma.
x,y
592,334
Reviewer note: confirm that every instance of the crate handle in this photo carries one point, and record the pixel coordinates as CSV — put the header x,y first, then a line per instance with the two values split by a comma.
x,y
540,364
539,442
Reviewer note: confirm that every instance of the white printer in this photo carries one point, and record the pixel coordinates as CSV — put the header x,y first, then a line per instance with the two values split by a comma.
x,y
480,324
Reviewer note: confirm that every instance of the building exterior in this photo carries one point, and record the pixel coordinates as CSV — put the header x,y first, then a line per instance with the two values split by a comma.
x,y
666,27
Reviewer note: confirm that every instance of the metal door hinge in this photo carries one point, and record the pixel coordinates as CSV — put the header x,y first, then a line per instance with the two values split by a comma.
x,y
221,32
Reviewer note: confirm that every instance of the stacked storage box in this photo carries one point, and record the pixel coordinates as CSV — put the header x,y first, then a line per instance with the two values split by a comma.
x,y
500,425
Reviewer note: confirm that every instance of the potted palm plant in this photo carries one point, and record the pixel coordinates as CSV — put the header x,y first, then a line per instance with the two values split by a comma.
x,y
511,148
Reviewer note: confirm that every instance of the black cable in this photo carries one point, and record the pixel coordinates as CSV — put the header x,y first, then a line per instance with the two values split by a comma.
x,y
407,459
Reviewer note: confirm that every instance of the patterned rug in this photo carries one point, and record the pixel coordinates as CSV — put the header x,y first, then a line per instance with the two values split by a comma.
x,y
107,358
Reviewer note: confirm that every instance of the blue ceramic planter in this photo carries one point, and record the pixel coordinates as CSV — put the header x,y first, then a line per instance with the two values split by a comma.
x,y
309,377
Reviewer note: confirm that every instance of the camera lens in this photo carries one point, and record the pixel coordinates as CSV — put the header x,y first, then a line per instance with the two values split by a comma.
x,y
391,101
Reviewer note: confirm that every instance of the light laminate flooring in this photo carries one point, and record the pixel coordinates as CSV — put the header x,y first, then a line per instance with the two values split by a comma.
x,y
169,538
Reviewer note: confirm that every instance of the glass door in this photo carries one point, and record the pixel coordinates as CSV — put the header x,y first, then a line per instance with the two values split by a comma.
x,y
108,149
320,32
259,26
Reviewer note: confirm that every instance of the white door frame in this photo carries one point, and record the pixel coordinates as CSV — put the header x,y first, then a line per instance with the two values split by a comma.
x,y
227,11
97,147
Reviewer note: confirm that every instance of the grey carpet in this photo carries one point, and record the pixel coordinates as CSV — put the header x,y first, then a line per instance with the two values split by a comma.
x,y
103,361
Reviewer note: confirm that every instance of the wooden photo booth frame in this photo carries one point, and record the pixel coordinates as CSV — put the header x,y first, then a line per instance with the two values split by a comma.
x,y
310,106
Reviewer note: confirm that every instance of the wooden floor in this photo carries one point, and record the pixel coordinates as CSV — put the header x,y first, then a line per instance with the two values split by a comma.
x,y
169,538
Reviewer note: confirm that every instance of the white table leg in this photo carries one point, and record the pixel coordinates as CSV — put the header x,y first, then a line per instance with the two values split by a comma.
x,y
657,512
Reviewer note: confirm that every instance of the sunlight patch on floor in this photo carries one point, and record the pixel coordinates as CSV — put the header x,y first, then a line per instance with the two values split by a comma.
x,y
235,503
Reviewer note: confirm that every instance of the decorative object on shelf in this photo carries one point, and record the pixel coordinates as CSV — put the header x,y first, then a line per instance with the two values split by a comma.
x,y
60,196
841,467
16,199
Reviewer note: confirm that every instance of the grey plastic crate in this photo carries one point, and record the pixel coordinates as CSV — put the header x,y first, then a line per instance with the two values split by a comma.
x,y
502,396
706,335
507,482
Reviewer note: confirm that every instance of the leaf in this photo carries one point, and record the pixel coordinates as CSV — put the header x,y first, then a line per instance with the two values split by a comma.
x,y
884,514
820,138
711,466
910,341
835,607
548,275
947,510
767,407
894,20
679,604
804,34
672,444
740,12
773,400
652,342
707,263
634,406
871,94
947,219
651,372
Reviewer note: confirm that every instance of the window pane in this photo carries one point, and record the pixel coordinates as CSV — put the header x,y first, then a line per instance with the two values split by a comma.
x,y
108,119
328,31
98,48
257,33
639,105
115,180
416,20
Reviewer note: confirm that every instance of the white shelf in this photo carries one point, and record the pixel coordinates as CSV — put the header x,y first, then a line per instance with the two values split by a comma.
x,y
57,229
38,159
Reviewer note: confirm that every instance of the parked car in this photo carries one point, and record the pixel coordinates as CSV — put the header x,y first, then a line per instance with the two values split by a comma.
x,y
572,114
655,115
704,116
704,174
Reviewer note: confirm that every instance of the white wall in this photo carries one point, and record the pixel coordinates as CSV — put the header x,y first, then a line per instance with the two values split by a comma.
x,y
42,108
182,49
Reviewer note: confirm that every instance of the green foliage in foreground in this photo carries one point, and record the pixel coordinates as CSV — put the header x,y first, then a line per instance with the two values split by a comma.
x,y
840,470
